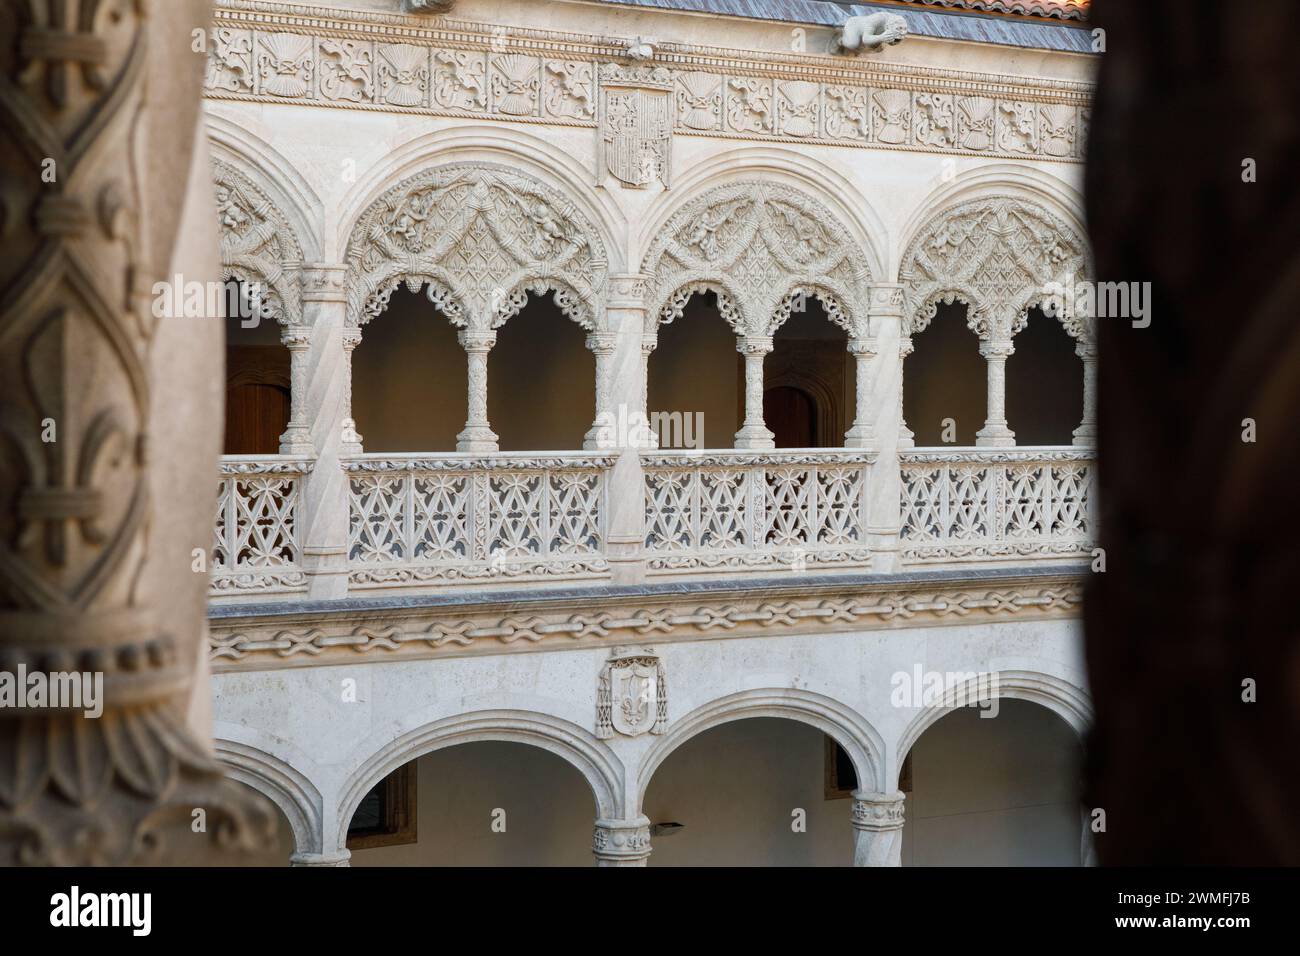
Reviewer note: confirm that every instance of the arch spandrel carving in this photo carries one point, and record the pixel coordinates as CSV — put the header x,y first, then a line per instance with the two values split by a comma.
x,y
485,236
999,256
764,243
257,243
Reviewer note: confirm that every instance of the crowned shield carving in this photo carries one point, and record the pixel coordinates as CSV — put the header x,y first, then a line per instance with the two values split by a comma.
x,y
632,695
636,124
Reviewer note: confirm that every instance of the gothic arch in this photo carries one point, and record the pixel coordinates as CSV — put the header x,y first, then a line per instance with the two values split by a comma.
x,y
592,758
286,787
258,245
1066,700
488,234
843,724
998,255
764,240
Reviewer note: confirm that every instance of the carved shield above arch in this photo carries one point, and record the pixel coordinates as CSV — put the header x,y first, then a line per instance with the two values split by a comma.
x,y
483,236
257,243
758,245
999,256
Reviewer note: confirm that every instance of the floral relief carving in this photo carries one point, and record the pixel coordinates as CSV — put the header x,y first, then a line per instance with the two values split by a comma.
x,y
934,120
848,114
284,65
749,105
1017,127
257,244
997,255
347,71
460,80
403,74
570,90
699,101
230,64
755,244
516,84
481,235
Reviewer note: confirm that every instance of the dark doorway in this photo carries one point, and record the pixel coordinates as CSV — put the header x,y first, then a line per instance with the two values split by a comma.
x,y
256,417
791,414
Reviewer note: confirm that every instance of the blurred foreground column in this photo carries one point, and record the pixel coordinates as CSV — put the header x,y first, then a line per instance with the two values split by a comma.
x,y
1193,639
110,421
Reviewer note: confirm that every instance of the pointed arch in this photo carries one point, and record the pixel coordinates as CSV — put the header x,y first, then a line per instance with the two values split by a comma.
x,y
486,232
762,240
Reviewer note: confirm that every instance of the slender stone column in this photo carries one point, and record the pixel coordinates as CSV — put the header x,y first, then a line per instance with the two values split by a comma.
x,y
877,829
861,434
350,339
648,344
1086,433
884,417
477,435
328,401
296,439
599,435
754,433
906,437
621,842
995,433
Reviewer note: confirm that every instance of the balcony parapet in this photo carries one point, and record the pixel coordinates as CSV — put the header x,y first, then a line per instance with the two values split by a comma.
x,y
256,535
980,504
719,511
458,518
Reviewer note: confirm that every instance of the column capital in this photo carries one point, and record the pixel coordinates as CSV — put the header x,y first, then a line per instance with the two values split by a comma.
x,y
351,336
621,842
862,346
877,811
999,347
295,336
602,341
323,282
476,340
887,298
754,344
649,342
628,290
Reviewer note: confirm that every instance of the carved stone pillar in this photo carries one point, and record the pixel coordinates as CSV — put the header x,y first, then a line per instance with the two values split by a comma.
x,y
1086,433
753,433
621,842
877,829
296,439
328,400
995,433
605,431
111,424
906,437
648,344
884,418
349,339
861,434
477,435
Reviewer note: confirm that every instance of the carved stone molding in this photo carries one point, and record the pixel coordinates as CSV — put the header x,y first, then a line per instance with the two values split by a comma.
x,y
758,246
323,56
482,237
257,243
250,641
998,256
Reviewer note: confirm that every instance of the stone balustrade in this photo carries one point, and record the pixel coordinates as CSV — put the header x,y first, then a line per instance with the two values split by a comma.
x,y
256,544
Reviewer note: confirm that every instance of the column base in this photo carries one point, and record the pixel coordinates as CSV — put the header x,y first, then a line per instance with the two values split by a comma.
x,y
995,435
351,438
755,437
296,441
327,572
477,438
859,436
339,858
1086,435
906,437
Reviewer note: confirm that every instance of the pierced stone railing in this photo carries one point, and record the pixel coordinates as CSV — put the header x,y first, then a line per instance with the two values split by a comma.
x,y
971,504
725,511
256,546
456,518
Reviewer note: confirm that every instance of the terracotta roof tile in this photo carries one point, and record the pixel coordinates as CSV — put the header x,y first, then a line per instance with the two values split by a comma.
x,y
1059,9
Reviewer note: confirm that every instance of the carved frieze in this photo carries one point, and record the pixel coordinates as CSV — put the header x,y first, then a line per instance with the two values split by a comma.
x,y
359,59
